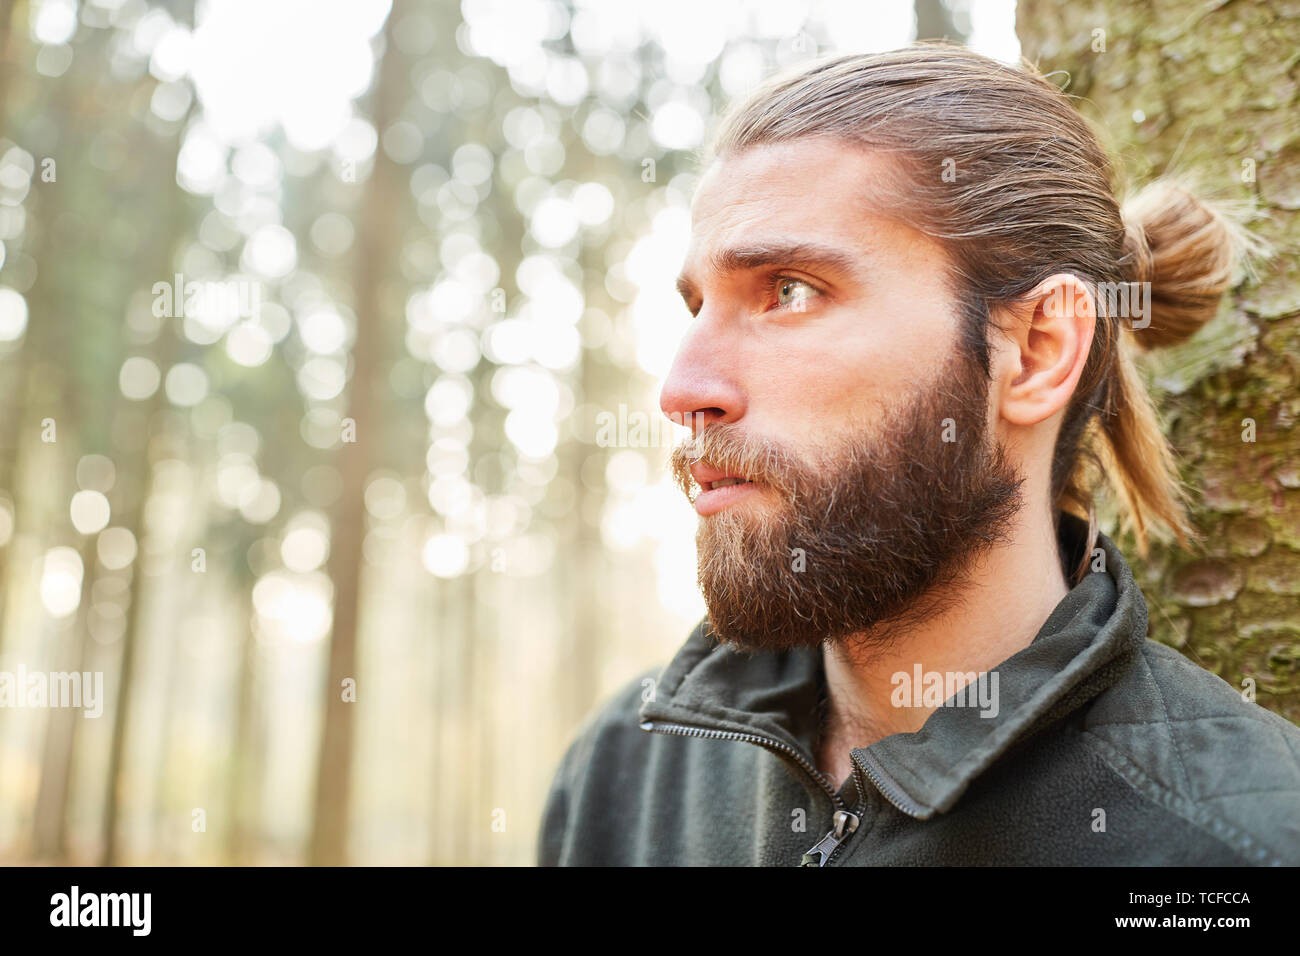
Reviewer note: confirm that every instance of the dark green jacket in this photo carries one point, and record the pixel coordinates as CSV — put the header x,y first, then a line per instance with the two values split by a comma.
x,y
1107,749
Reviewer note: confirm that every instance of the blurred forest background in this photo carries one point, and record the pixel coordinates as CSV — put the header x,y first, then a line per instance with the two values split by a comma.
x,y
311,314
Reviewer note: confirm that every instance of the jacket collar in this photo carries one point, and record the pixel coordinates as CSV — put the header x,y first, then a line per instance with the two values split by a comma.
x,y
1079,651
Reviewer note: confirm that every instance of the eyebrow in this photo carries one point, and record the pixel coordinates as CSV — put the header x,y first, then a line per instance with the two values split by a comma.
x,y
809,255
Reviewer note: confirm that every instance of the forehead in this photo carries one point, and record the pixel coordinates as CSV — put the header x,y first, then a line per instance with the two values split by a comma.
x,y
814,189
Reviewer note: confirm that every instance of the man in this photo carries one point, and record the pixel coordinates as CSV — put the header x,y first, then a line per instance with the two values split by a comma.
x,y
915,300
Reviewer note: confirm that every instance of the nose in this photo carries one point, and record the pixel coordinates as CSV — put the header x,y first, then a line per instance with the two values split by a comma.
x,y
703,384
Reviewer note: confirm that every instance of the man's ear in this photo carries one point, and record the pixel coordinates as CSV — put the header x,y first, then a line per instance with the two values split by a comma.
x,y
1043,349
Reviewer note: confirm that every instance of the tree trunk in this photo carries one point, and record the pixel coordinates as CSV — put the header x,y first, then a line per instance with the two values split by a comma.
x,y
934,21
240,831
174,220
377,245
70,654
1210,90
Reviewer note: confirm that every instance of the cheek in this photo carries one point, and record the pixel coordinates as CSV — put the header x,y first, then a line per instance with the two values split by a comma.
x,y
853,359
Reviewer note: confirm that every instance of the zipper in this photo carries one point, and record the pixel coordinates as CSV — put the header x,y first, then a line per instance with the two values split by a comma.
x,y
821,853
844,822
684,730
828,847
889,789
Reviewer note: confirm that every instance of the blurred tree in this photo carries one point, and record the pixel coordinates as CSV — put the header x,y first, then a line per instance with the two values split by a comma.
x,y
378,241
172,218
6,49
87,265
934,21
1211,91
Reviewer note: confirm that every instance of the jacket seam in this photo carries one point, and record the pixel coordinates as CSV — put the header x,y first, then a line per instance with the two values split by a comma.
x,y
1173,738
1175,803
1261,716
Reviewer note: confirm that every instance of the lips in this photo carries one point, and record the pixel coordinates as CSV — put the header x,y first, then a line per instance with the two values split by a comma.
x,y
709,478
718,489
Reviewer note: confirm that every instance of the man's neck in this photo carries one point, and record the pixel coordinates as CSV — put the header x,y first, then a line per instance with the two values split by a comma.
x,y
1006,596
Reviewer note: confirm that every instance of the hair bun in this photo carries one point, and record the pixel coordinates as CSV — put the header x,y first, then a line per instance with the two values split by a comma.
x,y
1187,250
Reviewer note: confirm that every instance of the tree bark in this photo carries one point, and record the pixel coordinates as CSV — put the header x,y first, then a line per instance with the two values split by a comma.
x,y
1210,90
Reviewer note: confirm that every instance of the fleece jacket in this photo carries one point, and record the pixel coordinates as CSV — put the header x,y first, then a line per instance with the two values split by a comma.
x,y
1105,748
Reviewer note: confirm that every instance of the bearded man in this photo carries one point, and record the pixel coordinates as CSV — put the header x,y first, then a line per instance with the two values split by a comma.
x,y
908,375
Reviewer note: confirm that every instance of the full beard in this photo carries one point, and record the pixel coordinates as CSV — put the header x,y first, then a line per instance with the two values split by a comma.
x,y
866,539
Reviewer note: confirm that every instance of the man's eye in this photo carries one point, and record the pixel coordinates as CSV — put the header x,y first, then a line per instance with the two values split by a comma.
x,y
793,293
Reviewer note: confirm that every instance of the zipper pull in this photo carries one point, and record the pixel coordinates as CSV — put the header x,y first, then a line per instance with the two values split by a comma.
x,y
845,823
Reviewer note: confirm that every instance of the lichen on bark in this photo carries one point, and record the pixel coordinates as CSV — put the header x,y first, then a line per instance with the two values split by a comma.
x,y
1213,89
